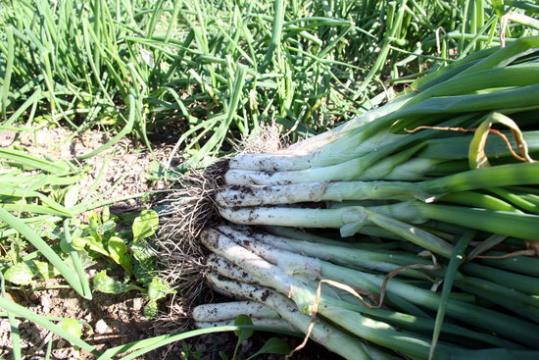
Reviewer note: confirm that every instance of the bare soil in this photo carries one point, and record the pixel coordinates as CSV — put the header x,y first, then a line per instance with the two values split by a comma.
x,y
109,320
119,171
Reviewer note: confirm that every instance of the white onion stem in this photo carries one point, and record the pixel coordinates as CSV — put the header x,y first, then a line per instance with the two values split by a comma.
x,y
329,336
231,310
261,324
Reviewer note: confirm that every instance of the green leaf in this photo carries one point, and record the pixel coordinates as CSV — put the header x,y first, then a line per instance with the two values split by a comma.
x,y
108,228
72,327
23,273
151,309
95,245
85,261
243,333
22,312
105,214
141,347
15,336
43,269
43,248
94,220
498,7
457,257
158,289
145,225
119,253
79,243
273,346
145,264
107,285
19,274
26,161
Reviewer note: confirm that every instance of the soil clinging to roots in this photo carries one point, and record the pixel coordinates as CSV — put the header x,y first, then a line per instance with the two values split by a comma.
x,y
188,209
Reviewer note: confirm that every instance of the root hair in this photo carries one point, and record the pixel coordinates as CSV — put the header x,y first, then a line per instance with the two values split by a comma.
x,y
185,212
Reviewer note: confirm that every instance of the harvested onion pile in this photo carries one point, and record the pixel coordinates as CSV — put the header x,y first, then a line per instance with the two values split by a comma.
x,y
436,199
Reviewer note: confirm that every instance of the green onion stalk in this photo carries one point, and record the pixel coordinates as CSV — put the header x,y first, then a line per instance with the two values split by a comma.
x,y
401,219
420,160
483,82
520,174
303,297
220,312
331,337
262,316
365,146
240,284
278,326
514,300
439,186
369,260
231,310
518,264
249,263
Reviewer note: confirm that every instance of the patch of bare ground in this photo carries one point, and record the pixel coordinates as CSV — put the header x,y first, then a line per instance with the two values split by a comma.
x,y
109,320
117,172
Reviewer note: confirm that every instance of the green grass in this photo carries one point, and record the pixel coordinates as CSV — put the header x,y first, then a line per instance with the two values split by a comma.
x,y
202,75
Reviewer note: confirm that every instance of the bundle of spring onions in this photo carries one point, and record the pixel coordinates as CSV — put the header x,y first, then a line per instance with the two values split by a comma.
x,y
358,311
435,197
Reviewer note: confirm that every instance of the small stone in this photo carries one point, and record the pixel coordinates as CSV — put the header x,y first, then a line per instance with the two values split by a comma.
x,y
45,304
137,304
4,334
101,327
